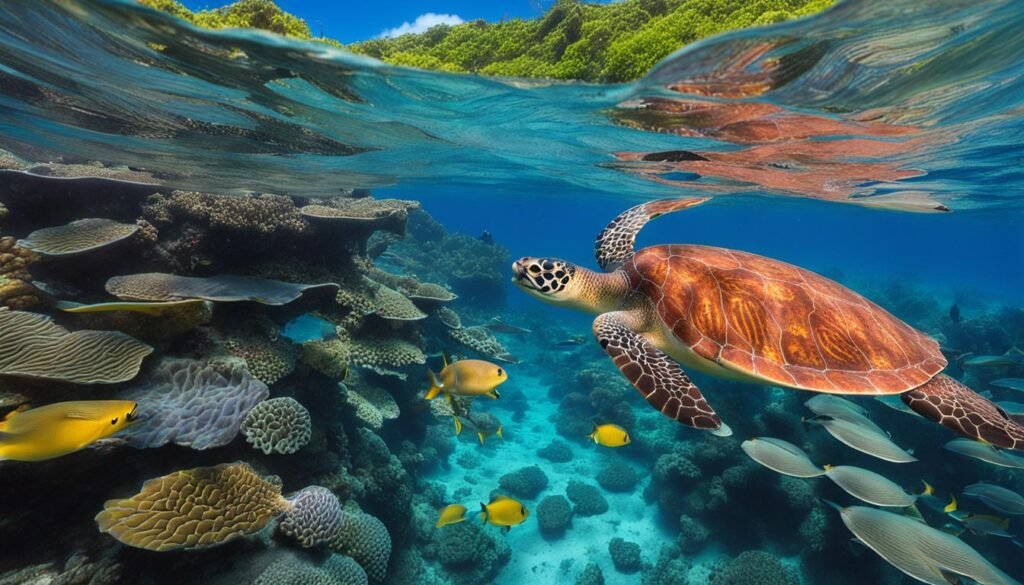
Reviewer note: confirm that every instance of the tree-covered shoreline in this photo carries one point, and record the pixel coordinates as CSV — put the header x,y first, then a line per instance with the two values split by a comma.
x,y
613,42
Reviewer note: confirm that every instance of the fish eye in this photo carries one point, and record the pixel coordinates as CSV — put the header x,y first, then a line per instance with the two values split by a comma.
x,y
114,421
500,373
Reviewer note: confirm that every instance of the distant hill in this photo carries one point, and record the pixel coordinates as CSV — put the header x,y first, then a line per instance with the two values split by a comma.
x,y
612,42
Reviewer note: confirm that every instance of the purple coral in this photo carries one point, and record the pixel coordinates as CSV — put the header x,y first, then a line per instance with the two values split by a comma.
x,y
315,516
189,403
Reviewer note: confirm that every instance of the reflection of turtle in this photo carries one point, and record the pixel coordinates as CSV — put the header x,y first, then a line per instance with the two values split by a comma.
x,y
744,317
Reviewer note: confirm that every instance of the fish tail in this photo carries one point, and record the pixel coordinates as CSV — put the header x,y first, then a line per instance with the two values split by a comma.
x,y
951,506
480,436
826,467
499,433
928,489
458,425
483,513
593,434
833,505
435,386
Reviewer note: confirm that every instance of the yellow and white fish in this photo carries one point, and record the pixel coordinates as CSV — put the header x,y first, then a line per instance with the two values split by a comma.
x,y
451,514
467,378
482,426
610,435
503,511
65,427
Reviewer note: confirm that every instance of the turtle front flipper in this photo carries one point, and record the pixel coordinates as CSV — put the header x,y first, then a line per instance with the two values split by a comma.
x,y
964,411
655,375
614,245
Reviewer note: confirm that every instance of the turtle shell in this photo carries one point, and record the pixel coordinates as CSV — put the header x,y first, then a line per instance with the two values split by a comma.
x,y
781,324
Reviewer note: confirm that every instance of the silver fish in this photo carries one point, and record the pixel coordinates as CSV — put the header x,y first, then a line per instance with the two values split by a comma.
x,y
781,456
842,409
1007,359
986,525
1009,384
996,497
896,403
984,452
925,553
864,439
870,487
496,324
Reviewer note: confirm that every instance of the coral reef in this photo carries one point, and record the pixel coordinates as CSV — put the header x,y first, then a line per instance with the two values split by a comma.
x,y
365,538
16,290
194,508
314,517
586,499
264,215
268,360
618,477
554,515
591,575
692,534
754,568
625,555
78,237
372,405
33,346
527,482
294,569
471,554
556,452
278,425
224,288
192,404
482,341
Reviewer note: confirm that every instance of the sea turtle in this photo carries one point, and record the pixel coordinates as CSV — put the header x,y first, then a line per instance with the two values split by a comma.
x,y
744,317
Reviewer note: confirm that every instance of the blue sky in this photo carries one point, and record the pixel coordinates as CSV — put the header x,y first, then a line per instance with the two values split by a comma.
x,y
349,21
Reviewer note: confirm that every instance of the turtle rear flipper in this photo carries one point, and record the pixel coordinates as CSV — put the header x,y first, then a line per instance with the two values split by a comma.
x,y
965,412
659,379
614,244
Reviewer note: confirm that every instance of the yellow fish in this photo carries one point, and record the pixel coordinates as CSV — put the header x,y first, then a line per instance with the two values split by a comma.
x,y
467,378
610,435
452,514
65,427
482,431
503,511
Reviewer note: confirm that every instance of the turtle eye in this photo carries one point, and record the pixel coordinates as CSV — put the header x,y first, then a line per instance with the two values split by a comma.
x,y
114,421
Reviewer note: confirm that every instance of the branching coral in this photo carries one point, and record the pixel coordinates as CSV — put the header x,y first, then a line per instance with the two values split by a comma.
x,y
265,215
278,425
78,237
482,341
192,404
372,405
33,346
16,290
194,508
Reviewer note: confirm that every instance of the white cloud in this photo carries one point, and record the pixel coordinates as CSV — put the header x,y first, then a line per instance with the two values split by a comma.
x,y
421,24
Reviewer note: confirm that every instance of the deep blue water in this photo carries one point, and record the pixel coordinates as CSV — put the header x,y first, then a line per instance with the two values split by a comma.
x,y
877,144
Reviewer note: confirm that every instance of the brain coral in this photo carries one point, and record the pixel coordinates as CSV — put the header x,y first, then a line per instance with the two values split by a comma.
x,y
299,570
78,237
365,538
278,425
373,405
194,508
315,516
527,482
33,346
754,567
192,404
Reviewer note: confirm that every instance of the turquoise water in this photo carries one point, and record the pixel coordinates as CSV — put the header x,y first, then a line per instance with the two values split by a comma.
x,y
878,145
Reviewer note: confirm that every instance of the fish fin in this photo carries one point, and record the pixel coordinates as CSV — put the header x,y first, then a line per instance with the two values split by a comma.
x,y
494,394
480,436
483,513
435,386
952,578
507,529
928,489
593,434
444,357
856,540
15,412
951,506
912,511
500,498
458,425
500,435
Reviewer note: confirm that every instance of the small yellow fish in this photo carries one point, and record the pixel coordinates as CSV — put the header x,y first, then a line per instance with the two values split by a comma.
x,y
503,511
481,432
951,506
610,435
467,378
452,514
61,428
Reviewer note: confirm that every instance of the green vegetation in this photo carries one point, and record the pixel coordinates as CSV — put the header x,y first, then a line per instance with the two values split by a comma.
x,y
618,41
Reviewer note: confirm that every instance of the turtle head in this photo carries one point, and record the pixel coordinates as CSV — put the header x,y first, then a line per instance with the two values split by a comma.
x,y
563,283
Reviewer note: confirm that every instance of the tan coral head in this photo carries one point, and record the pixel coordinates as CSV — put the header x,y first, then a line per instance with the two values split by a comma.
x,y
565,284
